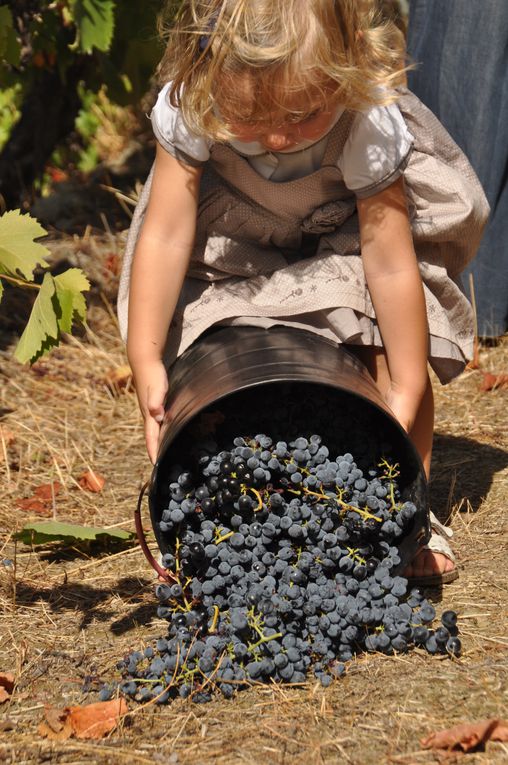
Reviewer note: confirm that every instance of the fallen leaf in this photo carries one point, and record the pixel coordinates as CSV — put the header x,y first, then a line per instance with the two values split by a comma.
x,y
112,264
91,481
73,534
41,501
46,491
57,725
119,378
492,382
467,736
6,686
32,504
92,721
95,720
7,725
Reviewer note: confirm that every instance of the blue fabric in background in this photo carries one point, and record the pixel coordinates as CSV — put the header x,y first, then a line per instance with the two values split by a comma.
x,y
461,49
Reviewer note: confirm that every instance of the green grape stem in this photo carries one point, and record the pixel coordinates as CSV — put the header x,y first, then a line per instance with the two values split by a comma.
x,y
252,646
20,282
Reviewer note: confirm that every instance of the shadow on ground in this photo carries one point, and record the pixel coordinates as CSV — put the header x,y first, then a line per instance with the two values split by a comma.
x,y
92,601
462,469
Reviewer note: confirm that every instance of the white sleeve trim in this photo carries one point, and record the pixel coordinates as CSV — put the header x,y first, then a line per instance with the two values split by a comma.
x,y
173,134
377,150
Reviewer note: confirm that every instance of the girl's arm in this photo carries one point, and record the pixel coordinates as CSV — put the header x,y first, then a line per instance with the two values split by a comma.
x,y
396,289
159,266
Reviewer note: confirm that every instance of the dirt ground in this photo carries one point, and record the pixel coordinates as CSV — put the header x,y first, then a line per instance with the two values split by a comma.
x,y
68,615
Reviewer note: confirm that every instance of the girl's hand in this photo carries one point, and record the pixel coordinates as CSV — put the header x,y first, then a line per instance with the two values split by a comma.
x,y
151,382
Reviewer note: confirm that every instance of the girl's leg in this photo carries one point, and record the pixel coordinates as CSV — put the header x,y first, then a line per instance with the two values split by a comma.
x,y
426,562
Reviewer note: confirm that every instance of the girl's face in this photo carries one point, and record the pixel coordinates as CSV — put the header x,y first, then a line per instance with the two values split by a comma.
x,y
288,135
304,120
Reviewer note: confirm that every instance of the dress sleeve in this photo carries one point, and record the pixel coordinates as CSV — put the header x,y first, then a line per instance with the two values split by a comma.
x,y
377,150
173,134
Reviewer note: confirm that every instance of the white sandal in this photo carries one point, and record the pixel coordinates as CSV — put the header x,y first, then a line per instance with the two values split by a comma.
x,y
438,543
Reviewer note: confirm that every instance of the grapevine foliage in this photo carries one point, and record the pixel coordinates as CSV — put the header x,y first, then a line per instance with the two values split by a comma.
x,y
10,48
94,21
113,43
50,53
59,300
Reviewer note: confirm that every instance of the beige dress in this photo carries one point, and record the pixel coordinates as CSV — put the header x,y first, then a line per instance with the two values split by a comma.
x,y
288,253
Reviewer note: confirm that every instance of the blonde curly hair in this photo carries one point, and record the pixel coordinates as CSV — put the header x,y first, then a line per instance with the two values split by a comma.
x,y
260,60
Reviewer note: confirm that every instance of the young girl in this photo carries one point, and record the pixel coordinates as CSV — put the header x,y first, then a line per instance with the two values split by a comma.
x,y
292,185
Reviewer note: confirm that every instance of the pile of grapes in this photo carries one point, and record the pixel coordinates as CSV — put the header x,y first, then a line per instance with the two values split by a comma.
x,y
283,562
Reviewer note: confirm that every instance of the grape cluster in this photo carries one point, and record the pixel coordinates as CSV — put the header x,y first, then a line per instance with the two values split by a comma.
x,y
283,561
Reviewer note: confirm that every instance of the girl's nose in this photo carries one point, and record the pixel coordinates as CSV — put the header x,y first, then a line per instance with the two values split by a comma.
x,y
277,141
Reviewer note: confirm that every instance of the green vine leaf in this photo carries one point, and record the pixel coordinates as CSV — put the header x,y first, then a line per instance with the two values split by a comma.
x,y
10,49
70,533
69,287
42,332
19,253
95,23
60,299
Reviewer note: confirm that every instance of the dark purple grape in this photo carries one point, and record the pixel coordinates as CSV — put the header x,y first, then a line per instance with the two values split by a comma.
x,y
197,551
372,564
449,619
453,646
207,505
234,486
245,503
226,467
212,484
360,572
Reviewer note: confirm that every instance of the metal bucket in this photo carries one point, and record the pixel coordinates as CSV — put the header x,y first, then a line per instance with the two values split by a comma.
x,y
225,364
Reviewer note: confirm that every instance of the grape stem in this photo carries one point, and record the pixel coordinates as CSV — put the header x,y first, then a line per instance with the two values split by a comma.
x,y
215,619
252,646
20,282
224,537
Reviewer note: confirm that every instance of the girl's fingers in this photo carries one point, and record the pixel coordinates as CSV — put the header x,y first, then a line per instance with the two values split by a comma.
x,y
155,402
152,430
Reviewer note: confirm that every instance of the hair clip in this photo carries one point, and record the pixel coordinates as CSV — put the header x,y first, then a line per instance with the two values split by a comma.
x,y
204,40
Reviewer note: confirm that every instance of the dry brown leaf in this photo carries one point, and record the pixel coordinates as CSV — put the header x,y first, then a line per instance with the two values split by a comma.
x,y
91,481
95,720
41,501
467,736
492,382
47,491
112,264
119,378
6,686
57,725
92,721
32,504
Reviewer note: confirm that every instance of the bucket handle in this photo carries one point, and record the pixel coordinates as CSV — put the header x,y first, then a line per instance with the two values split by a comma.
x,y
142,539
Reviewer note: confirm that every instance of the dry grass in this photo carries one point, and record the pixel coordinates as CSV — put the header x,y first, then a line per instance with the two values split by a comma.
x,y
69,616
